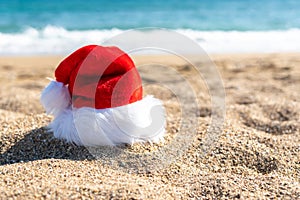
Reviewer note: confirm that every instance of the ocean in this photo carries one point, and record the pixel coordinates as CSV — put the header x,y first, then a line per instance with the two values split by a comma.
x,y
218,26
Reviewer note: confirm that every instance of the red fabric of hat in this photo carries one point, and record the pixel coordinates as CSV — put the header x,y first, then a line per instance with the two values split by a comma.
x,y
100,77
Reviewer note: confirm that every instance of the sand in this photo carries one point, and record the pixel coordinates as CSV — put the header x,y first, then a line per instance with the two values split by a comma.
x,y
257,154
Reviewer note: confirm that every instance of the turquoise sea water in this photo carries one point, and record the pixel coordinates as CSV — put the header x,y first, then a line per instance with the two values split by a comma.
x,y
16,15
44,21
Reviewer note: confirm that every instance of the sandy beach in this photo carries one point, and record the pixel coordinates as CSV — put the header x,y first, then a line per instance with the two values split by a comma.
x,y
256,156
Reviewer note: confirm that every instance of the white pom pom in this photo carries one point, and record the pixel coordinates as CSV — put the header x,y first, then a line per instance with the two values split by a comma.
x,y
55,98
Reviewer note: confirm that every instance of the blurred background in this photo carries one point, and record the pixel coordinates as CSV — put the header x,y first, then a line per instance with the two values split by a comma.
x,y
220,26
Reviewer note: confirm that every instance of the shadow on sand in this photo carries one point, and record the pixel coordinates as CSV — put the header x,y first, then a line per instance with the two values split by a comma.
x,y
38,144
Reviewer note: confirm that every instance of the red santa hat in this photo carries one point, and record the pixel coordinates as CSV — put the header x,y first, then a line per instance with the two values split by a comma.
x,y
97,99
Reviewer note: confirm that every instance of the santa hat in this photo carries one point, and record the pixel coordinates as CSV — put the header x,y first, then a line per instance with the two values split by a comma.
x,y
97,99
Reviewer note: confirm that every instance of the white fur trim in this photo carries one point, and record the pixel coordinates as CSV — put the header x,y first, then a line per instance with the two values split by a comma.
x,y
55,98
141,121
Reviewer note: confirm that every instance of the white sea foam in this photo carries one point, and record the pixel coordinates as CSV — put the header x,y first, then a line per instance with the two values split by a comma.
x,y
247,41
50,40
57,40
